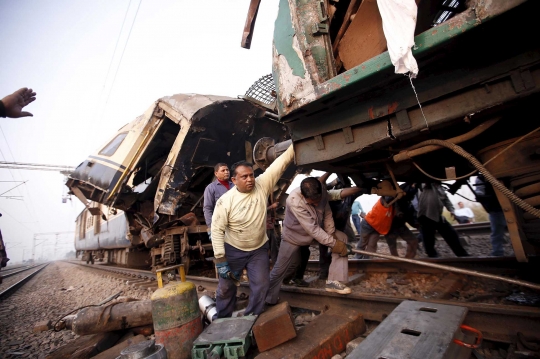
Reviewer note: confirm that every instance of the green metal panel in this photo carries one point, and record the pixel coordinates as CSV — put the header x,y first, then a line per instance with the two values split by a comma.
x,y
283,39
424,42
369,72
233,335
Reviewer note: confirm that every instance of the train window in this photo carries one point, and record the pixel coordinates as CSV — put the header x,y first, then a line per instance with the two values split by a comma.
x,y
112,146
97,221
89,221
81,223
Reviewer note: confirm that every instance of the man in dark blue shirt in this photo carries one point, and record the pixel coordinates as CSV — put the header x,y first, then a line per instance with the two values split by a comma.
x,y
215,190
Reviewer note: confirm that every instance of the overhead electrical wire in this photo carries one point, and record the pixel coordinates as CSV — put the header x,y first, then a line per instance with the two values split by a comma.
x,y
122,56
97,114
15,219
19,192
116,46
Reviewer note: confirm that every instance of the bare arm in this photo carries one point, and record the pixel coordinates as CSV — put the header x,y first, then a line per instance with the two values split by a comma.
x,y
446,202
272,206
350,191
324,177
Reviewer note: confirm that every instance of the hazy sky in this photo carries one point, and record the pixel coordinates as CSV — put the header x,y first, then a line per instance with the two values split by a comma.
x,y
63,50
86,91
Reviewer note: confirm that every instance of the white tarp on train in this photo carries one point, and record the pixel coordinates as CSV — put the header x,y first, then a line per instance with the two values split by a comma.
x,y
399,22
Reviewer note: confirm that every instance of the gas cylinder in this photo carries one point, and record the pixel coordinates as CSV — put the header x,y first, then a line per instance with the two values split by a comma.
x,y
175,313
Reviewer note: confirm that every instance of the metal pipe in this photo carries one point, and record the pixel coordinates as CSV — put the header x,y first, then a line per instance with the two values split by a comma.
x,y
273,116
207,307
452,269
117,316
418,149
276,150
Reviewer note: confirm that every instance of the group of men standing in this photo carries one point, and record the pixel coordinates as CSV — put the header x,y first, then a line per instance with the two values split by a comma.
x,y
240,215
422,207
236,213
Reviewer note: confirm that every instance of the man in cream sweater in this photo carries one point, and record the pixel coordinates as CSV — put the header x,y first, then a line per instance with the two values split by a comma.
x,y
239,234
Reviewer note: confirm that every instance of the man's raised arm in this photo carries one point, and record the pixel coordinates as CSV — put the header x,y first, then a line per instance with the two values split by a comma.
x,y
272,174
220,221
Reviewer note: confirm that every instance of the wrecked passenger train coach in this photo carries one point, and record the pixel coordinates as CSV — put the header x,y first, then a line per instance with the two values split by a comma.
x,y
477,87
144,189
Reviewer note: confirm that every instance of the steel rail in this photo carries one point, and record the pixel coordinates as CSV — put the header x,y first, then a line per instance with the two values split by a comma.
x,y
13,267
11,270
10,290
497,322
12,273
467,228
478,227
453,269
499,265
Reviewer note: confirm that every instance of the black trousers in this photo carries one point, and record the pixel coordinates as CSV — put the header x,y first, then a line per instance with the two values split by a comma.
x,y
445,229
325,259
304,258
274,244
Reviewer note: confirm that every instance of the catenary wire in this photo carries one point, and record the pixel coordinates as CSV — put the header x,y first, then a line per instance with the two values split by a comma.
x,y
121,58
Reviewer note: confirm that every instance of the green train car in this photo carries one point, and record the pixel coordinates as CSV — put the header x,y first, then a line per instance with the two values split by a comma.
x,y
478,87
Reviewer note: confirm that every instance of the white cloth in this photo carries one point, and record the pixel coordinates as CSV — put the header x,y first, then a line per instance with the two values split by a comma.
x,y
464,212
399,22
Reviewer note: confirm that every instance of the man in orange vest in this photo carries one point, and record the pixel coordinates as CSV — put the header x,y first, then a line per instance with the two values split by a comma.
x,y
382,220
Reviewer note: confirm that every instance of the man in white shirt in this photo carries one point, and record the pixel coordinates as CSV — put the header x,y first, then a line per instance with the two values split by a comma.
x,y
239,234
463,214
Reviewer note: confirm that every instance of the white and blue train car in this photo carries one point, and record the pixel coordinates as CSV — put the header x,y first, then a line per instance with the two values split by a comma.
x,y
106,238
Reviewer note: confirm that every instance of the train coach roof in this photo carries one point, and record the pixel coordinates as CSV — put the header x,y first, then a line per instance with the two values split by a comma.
x,y
189,104
185,104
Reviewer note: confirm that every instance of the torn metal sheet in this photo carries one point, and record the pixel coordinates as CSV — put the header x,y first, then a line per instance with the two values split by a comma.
x,y
158,166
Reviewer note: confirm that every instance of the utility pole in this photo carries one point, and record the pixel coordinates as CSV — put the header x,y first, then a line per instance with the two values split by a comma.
x,y
34,248
44,234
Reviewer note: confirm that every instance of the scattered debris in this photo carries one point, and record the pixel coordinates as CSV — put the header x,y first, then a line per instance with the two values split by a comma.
x,y
42,326
114,352
353,344
274,327
341,325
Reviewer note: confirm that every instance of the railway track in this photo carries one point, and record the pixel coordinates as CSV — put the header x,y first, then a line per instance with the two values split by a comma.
x,y
494,265
497,322
15,271
13,268
11,289
479,228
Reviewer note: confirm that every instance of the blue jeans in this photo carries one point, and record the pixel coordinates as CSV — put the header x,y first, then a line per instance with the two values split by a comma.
x,y
257,265
498,225
357,221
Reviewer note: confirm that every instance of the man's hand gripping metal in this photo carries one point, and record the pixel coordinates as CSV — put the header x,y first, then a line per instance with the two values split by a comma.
x,y
224,271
